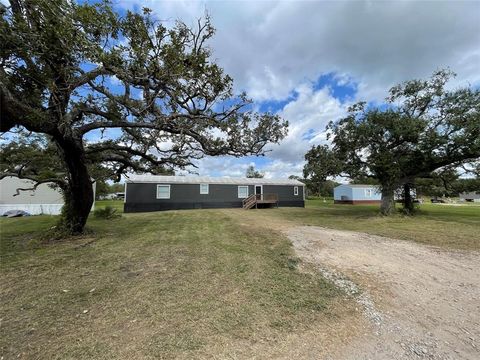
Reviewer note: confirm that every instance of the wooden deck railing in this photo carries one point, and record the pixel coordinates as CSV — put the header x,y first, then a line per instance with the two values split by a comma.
x,y
268,197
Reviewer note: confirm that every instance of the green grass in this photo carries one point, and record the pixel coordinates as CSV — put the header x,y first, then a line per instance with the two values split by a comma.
x,y
185,284
158,285
455,227
117,204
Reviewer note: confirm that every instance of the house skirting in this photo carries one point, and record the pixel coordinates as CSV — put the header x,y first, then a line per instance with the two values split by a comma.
x,y
357,202
147,207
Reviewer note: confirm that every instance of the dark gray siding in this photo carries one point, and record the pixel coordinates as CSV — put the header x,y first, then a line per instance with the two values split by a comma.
x,y
143,196
285,193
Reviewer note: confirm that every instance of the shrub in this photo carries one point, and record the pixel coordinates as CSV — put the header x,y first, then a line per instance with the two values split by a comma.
x,y
107,213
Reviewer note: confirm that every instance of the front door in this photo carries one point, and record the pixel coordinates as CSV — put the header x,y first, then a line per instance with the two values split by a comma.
x,y
259,191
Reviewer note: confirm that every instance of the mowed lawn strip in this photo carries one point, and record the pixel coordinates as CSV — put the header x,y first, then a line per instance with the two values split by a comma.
x,y
154,285
449,226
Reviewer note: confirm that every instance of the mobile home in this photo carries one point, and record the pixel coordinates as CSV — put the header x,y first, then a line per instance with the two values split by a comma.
x,y
44,199
357,194
473,196
157,192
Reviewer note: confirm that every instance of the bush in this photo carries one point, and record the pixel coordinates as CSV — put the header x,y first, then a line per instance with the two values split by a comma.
x,y
107,213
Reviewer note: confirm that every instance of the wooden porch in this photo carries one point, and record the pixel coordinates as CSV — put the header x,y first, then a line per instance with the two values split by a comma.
x,y
257,199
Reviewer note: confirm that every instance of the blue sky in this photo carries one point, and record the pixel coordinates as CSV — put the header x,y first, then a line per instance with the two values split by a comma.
x,y
309,60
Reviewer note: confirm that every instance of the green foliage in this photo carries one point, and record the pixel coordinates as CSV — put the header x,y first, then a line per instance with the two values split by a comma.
x,y
106,213
425,128
252,173
34,156
116,187
363,180
321,163
466,185
323,189
448,184
104,188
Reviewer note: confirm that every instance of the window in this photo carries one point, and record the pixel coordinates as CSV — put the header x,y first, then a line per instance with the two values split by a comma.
x,y
295,190
368,192
204,189
163,191
242,192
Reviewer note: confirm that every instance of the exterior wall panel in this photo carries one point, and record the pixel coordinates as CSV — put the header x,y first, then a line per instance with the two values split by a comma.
x,y
43,194
142,196
342,191
359,194
285,193
43,200
356,194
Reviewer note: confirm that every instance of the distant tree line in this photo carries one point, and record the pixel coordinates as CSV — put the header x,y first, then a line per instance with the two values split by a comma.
x,y
104,188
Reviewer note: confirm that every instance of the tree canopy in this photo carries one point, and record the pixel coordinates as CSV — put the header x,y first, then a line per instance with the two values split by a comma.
x,y
252,173
321,163
117,93
424,127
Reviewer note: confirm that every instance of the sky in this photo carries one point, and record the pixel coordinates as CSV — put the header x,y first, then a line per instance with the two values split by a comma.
x,y
308,61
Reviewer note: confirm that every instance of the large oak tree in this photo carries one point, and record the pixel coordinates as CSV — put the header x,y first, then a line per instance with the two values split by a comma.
x,y
424,127
70,72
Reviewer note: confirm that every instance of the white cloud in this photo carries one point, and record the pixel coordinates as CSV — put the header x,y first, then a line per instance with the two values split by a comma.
x,y
220,166
308,116
272,47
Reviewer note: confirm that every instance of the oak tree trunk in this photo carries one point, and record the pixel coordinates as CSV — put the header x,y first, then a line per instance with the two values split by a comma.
x,y
407,199
388,202
78,195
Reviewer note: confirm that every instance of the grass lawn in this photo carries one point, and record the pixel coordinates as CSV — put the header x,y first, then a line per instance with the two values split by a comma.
x,y
116,204
183,284
188,284
454,227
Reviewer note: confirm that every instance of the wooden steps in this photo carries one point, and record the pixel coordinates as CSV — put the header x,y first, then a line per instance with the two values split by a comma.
x,y
255,199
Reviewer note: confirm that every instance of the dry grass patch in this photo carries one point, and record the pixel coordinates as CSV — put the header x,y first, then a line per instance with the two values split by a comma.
x,y
159,285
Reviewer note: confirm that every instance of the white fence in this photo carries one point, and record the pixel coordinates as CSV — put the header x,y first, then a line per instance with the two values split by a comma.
x,y
33,209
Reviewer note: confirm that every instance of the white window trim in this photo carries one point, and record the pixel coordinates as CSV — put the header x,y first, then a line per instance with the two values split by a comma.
x,y
208,189
368,192
295,190
239,195
163,197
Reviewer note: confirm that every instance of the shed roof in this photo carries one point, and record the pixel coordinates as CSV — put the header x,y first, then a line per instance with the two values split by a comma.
x,y
209,180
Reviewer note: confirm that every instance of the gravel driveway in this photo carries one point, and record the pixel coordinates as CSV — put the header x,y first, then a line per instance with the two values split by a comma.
x,y
420,302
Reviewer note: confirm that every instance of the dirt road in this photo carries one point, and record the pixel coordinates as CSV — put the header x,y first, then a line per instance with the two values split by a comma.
x,y
420,302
